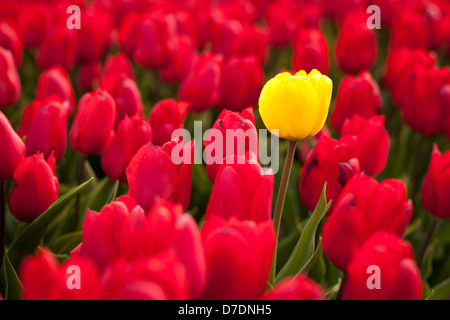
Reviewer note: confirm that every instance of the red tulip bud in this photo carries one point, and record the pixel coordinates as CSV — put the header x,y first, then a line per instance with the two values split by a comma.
x,y
383,268
56,81
93,126
372,142
12,150
331,161
132,133
166,116
436,186
239,255
356,95
35,187
310,51
363,208
356,46
296,288
10,87
44,127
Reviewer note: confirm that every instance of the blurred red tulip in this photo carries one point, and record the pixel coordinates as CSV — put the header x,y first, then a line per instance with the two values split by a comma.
x,y
44,127
43,279
155,40
13,149
436,186
10,39
184,58
372,142
356,95
132,133
393,260
55,80
59,47
166,116
10,87
94,37
296,288
363,208
240,83
89,75
35,187
356,45
238,255
310,51
93,127
200,88
126,95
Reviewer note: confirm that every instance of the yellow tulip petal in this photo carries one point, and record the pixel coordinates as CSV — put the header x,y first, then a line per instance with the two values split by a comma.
x,y
324,87
291,105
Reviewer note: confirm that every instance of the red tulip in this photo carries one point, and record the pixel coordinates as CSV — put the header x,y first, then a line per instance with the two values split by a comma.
x,y
132,133
116,64
35,187
44,279
155,40
89,75
10,39
153,174
296,288
282,21
200,88
160,277
436,186
56,81
392,259
95,34
166,116
239,255
363,208
44,127
13,149
10,87
233,133
356,46
59,47
409,29
372,142
122,231
356,95
240,83
250,189
93,127
184,58
126,95
400,64
425,107
331,161
310,51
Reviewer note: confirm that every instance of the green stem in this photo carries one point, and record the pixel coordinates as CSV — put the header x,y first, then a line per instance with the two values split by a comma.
x,y
2,220
341,287
280,203
427,242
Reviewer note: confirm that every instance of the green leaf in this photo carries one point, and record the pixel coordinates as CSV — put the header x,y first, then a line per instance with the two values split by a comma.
x,y
12,286
312,261
66,243
103,194
305,247
441,291
30,237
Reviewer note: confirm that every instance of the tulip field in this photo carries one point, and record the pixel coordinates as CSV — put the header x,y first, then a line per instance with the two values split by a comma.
x,y
225,150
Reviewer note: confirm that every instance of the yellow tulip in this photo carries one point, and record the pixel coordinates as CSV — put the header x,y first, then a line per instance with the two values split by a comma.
x,y
297,105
